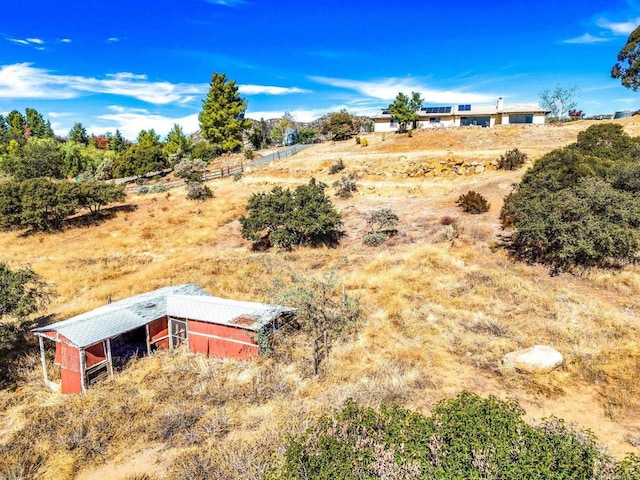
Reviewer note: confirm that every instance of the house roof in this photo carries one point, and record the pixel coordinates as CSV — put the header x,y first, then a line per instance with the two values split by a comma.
x,y
119,317
245,315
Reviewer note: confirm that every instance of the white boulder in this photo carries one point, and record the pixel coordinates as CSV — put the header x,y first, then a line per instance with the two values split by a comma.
x,y
536,359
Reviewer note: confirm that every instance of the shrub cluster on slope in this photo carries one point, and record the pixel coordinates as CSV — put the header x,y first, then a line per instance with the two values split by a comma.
x,y
578,206
465,437
285,218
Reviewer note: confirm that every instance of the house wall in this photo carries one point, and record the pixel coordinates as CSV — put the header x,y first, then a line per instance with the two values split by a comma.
x,y
384,125
445,122
221,340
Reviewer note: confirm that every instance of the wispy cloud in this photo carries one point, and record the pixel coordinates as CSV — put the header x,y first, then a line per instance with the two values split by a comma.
x,y
22,80
227,3
36,43
114,39
387,89
586,39
269,90
131,121
618,28
299,115
65,40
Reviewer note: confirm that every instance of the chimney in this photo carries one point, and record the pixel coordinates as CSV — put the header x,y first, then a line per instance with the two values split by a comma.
x,y
500,104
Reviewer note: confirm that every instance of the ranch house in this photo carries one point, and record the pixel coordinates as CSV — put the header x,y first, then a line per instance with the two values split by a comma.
x,y
467,115
93,345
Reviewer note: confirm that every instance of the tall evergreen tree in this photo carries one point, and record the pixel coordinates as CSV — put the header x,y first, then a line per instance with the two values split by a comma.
x,y
118,143
38,126
222,117
78,134
177,141
16,122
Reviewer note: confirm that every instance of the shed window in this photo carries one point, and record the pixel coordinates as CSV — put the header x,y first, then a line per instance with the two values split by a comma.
x,y
434,120
178,332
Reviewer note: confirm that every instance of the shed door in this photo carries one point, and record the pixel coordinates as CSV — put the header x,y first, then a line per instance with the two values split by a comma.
x,y
178,332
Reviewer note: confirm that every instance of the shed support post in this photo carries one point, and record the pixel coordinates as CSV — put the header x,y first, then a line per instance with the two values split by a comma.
x,y
146,329
109,360
44,361
83,371
169,331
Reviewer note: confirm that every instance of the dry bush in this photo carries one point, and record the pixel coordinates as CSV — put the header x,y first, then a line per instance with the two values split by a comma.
x,y
473,202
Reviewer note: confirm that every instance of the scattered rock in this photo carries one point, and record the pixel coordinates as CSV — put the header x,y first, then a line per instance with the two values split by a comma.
x,y
536,359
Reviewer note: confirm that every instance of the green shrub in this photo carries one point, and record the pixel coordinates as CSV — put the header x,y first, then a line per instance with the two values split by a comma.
x,y
473,202
382,221
248,153
410,133
237,176
285,218
465,437
374,239
364,142
336,167
345,186
358,140
158,188
577,206
512,160
198,191
143,189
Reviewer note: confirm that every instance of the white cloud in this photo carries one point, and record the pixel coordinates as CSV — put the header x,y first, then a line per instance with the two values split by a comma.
x,y
37,41
65,40
619,28
308,115
113,39
387,89
22,80
227,3
131,122
586,39
269,90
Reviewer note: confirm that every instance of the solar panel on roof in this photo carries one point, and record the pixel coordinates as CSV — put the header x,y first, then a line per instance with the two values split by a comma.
x,y
464,108
438,110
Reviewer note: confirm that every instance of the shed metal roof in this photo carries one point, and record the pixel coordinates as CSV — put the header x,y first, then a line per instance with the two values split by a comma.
x,y
119,317
247,315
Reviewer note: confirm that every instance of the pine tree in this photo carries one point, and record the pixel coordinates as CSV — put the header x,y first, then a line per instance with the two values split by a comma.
x,y
78,134
222,119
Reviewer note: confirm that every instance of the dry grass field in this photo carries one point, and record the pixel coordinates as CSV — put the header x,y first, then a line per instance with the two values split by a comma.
x,y
442,305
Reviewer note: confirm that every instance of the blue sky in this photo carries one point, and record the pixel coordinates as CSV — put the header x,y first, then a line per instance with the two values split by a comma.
x,y
135,64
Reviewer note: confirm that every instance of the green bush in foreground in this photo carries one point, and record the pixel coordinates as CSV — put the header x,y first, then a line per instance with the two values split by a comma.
x,y
578,206
466,437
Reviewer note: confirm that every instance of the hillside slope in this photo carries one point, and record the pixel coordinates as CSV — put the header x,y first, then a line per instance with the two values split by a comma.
x,y
442,305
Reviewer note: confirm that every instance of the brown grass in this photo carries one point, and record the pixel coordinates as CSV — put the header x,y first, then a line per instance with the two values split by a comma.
x,y
443,305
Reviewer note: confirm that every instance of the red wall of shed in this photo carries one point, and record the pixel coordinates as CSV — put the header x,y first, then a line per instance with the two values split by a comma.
x,y
157,329
95,354
68,358
223,346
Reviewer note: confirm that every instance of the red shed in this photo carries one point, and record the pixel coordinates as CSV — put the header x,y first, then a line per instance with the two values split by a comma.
x,y
92,345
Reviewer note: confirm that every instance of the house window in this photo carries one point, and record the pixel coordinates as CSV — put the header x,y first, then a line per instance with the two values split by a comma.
x,y
479,121
520,118
434,120
394,122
